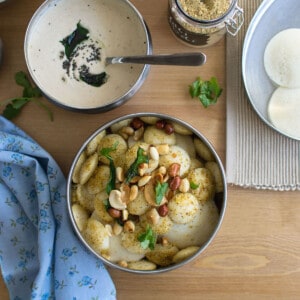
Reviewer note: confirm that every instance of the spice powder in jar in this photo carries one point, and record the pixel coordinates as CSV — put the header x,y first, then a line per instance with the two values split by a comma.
x,y
201,23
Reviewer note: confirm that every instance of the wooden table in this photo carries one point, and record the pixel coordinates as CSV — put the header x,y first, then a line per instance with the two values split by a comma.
x,y
256,253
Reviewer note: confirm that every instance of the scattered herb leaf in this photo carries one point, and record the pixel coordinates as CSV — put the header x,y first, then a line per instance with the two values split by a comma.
x,y
160,190
30,93
133,169
112,177
194,185
208,91
147,239
76,37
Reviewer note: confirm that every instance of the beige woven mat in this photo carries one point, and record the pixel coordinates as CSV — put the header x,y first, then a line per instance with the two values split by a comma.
x,y
257,156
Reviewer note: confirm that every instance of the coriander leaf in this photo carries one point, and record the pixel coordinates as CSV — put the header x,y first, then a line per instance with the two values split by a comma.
x,y
30,93
13,108
148,239
160,190
22,79
195,88
208,92
45,107
133,169
71,41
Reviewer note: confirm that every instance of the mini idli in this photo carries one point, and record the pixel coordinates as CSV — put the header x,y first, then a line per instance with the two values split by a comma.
x,y
282,58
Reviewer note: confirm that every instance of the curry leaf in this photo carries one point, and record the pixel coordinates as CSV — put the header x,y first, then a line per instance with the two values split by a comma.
x,y
71,41
93,79
112,178
133,169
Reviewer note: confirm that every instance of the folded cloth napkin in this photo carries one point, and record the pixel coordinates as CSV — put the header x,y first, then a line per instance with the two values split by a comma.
x,y
256,156
40,256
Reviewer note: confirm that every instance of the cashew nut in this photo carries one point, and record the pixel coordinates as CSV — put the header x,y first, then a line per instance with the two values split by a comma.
x,y
115,200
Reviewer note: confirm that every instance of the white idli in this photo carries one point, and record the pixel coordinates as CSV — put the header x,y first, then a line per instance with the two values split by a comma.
x,y
284,112
198,231
282,58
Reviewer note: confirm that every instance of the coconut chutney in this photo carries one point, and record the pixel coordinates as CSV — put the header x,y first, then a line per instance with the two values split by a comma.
x,y
115,29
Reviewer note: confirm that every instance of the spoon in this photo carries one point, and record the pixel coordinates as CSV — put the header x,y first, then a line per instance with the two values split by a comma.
x,y
178,59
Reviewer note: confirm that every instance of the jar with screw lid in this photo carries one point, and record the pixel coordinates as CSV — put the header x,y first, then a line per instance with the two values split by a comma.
x,y
202,23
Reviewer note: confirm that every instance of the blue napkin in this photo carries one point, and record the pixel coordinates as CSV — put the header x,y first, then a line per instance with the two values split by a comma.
x,y
40,256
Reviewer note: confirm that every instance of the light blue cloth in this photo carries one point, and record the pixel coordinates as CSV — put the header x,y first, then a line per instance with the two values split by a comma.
x,y
40,256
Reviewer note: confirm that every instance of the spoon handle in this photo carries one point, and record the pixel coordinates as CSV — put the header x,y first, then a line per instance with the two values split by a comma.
x,y
178,59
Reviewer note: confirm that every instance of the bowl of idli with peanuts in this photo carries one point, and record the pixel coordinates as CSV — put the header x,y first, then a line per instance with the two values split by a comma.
x,y
66,46
146,193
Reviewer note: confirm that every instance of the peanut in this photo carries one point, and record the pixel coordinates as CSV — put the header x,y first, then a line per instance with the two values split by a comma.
x,y
117,228
184,185
114,213
153,216
133,192
163,210
137,123
175,183
174,169
144,180
120,174
163,149
160,124
154,153
129,226
169,129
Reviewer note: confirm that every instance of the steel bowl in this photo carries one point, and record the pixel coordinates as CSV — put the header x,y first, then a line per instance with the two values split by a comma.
x,y
219,198
115,26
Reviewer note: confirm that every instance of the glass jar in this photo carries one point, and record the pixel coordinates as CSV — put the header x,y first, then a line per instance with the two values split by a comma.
x,y
202,33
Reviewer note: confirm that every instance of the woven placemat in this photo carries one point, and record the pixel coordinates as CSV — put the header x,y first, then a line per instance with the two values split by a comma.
x,y
256,155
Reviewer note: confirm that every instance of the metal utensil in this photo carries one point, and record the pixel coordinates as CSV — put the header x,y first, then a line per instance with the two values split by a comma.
x,y
177,59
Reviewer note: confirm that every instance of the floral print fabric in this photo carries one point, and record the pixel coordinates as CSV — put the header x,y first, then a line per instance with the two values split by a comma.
x,y
40,256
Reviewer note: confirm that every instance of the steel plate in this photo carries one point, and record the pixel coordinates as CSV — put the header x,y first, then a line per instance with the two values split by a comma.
x,y
271,17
